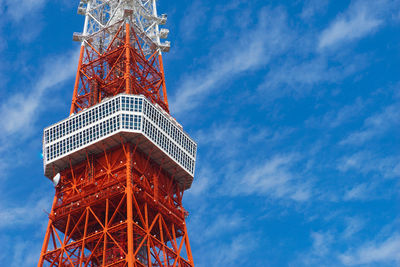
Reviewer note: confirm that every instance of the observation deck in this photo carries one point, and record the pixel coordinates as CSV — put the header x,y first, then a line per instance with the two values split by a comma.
x,y
130,118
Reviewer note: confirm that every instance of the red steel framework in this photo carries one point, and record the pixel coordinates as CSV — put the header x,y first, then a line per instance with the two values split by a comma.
x,y
118,207
122,67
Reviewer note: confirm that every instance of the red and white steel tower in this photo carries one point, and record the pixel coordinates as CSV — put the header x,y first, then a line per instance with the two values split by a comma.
x,y
120,162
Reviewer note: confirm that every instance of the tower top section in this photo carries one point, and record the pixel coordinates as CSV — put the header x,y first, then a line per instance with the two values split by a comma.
x,y
121,52
103,18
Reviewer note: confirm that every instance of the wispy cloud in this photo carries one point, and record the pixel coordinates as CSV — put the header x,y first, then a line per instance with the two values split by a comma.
x,y
254,49
353,226
24,252
23,215
234,253
341,245
366,162
376,252
17,10
358,21
375,125
274,179
321,242
22,20
219,138
21,109
194,17
312,8
297,78
337,117
358,192
218,227
221,225
320,251
204,180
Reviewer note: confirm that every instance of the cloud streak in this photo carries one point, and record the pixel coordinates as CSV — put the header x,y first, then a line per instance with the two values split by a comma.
x,y
358,21
375,252
254,49
375,126
24,215
274,179
21,109
17,10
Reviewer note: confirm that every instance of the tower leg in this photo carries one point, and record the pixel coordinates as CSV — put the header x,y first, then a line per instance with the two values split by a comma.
x,y
47,235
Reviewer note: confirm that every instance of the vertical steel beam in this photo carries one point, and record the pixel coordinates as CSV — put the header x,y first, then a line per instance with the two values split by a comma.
x,y
164,85
129,205
47,235
128,88
187,244
105,234
76,86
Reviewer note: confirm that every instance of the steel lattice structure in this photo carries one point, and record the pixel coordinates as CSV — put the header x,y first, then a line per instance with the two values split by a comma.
x,y
120,52
120,162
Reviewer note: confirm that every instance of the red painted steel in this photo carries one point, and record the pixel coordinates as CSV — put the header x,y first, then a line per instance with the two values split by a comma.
x,y
119,207
121,67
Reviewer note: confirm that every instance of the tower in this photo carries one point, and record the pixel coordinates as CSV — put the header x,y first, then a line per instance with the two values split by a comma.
x,y
120,162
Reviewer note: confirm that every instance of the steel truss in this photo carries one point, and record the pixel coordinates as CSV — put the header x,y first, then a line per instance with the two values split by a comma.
x,y
118,59
118,208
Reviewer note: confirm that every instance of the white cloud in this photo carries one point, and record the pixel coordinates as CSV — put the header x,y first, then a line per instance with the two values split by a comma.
x,y
319,254
295,77
204,179
221,134
353,226
338,117
26,214
366,162
321,243
195,16
220,225
358,192
17,10
328,246
353,162
25,253
375,126
235,253
274,179
344,114
254,49
375,252
312,8
226,140
20,110
358,21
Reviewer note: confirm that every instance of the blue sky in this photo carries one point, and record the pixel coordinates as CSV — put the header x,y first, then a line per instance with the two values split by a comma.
x,y
295,106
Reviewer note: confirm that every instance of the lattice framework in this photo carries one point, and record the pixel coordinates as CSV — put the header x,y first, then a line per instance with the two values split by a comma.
x,y
107,199
119,207
120,52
